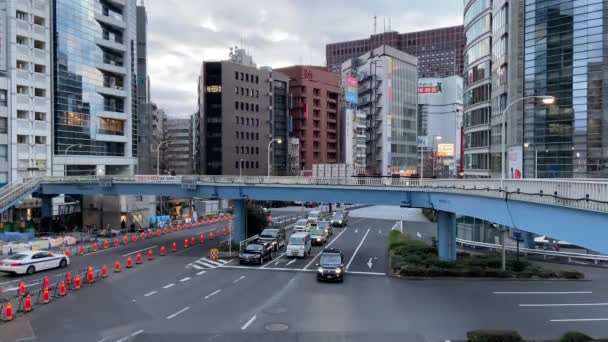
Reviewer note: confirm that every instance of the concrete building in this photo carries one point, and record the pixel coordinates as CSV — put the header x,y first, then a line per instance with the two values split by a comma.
x,y
178,153
146,140
439,51
158,118
238,119
387,94
440,125
314,93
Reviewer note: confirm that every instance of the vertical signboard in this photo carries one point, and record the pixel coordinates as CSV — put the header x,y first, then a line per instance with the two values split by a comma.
x,y
351,90
3,40
349,135
515,162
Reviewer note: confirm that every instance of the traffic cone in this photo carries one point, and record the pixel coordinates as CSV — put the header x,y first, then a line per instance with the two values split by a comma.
x,y
21,288
77,282
106,244
117,266
81,250
217,232
185,243
67,252
143,235
190,225
150,254
62,289
138,258
225,231
125,240
8,312
104,271
27,303
129,262
172,229
46,298
202,238
162,250
68,277
90,275
192,241
134,238
174,247
45,281
179,227
158,232
210,235
94,246
165,231
116,242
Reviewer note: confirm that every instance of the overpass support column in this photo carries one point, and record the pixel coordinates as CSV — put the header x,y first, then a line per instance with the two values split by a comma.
x,y
528,240
46,213
446,224
240,220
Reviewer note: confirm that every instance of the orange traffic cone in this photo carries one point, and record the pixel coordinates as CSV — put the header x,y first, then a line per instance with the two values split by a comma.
x,y
150,254
179,227
192,241
174,247
129,262
217,232
77,282
158,232
143,235
125,240
117,266
225,231
68,277
134,238
62,289
67,252
90,275
202,238
21,288
185,243
45,295
27,303
138,258
45,281
165,230
81,250
162,250
116,242
94,246
172,229
210,235
104,271
106,244
8,312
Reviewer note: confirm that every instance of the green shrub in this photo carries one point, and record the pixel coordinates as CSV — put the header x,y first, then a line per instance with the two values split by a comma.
x,y
574,336
396,238
570,274
518,266
493,336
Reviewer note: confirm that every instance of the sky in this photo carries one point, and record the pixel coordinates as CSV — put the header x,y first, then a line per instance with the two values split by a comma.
x,y
277,33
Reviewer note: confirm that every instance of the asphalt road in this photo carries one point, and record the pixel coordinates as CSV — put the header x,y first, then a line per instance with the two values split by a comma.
x,y
169,299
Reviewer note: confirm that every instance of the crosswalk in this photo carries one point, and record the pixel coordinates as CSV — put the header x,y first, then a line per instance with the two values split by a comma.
x,y
204,263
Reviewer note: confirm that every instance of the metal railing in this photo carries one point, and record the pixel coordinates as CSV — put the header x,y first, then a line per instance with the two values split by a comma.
x,y
15,191
597,259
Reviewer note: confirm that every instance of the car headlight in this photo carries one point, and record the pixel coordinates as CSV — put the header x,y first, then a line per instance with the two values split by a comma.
x,y
338,270
274,242
320,269
318,239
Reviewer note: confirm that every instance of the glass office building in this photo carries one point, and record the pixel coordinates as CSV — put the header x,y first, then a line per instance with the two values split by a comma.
x,y
95,99
565,56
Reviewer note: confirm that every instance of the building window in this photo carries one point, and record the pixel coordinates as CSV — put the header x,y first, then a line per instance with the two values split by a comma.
x,y
111,126
21,139
236,90
40,140
257,136
21,40
242,77
256,80
257,93
3,125
237,119
22,90
242,135
236,105
76,119
236,164
39,92
257,150
236,75
21,15
257,122
247,121
247,150
38,44
247,106
242,106
237,134
22,65
257,164
40,116
40,21
237,150
4,152
22,114
242,120
257,108
247,77
247,164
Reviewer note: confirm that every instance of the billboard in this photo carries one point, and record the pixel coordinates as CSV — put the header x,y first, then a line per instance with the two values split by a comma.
x,y
515,162
351,94
422,141
430,87
445,150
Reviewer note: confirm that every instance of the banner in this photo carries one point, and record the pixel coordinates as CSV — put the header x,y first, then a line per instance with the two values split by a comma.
x,y
351,94
445,150
157,179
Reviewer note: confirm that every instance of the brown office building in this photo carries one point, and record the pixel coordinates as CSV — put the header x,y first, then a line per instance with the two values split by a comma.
x,y
439,51
314,94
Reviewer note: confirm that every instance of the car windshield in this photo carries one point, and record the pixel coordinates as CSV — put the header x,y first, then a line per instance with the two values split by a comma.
x,y
317,232
17,257
267,233
337,217
254,248
330,259
323,224
301,222
296,240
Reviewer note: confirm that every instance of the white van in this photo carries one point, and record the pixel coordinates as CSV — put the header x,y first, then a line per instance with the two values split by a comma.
x,y
313,216
299,245
301,225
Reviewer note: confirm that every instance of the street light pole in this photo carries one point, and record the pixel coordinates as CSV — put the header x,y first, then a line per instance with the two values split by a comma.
x,y
65,153
279,141
547,100
158,170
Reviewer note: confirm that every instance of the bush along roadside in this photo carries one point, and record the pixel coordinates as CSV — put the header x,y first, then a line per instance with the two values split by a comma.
x,y
415,258
492,335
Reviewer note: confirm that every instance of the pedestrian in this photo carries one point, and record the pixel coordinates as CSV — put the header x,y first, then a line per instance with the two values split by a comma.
x,y
123,224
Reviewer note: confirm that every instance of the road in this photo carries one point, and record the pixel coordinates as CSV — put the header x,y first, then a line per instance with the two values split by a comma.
x,y
185,297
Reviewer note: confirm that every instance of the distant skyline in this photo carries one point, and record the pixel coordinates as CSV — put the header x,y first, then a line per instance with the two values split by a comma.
x,y
277,33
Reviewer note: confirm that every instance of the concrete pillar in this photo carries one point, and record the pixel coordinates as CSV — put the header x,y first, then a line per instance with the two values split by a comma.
x,y
46,213
528,240
446,224
240,220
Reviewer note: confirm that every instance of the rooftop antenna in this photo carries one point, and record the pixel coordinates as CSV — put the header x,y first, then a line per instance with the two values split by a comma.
x,y
389,24
384,25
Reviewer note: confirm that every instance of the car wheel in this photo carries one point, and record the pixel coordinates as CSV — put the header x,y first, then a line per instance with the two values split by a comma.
x,y
30,270
63,263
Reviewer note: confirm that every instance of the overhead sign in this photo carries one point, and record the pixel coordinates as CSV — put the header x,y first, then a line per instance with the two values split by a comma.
x,y
351,94
422,141
445,150
427,87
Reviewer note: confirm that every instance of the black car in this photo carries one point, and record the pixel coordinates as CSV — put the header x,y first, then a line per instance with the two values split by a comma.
x,y
331,265
275,237
338,220
256,253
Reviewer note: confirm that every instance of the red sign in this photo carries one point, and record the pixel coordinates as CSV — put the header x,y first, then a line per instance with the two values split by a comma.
x,y
307,74
428,90
351,81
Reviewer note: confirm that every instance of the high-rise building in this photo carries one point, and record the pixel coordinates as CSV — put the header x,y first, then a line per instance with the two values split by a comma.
x,y
146,141
439,51
95,89
387,95
565,54
157,121
440,121
178,153
238,120
314,94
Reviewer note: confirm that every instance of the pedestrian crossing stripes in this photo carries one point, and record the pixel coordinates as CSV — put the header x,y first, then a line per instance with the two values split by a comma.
x,y
204,263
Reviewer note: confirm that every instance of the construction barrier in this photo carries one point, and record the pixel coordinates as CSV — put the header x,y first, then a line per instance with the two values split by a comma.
x,y
214,255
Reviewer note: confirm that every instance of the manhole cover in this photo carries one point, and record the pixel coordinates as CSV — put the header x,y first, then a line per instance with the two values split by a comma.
x,y
276,327
276,310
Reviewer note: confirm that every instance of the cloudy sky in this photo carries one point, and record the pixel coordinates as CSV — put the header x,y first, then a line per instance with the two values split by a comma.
x,y
183,33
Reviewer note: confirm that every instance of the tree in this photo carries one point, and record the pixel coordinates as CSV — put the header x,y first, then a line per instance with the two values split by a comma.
x,y
257,219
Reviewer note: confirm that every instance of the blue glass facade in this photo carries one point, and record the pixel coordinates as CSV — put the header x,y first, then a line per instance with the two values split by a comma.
x,y
94,97
566,57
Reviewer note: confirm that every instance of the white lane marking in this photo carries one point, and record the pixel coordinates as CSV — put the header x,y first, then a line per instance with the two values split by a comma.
x,y
370,264
274,262
168,286
248,322
149,293
177,313
291,262
237,280
196,266
223,261
540,292
123,339
356,250
326,246
565,304
139,251
201,272
184,279
205,264
209,261
580,320
269,268
213,293
137,332
367,273
103,339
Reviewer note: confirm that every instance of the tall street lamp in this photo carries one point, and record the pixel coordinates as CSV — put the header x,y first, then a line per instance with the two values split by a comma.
x,y
65,153
547,100
279,141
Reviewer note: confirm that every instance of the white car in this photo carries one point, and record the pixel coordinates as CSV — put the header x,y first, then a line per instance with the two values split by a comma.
x,y
301,225
29,262
299,245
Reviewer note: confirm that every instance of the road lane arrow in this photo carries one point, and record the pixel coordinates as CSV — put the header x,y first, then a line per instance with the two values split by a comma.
x,y
370,264
291,262
356,231
419,235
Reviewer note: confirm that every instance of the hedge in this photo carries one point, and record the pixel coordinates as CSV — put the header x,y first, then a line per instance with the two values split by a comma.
x,y
493,336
